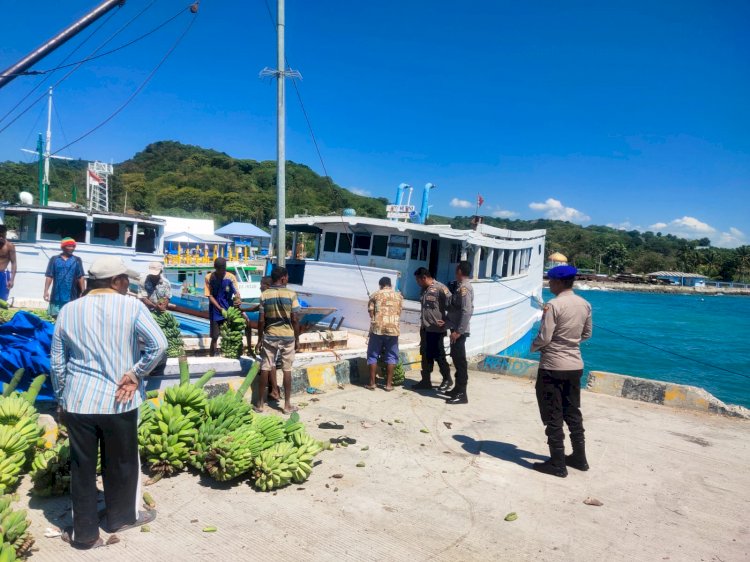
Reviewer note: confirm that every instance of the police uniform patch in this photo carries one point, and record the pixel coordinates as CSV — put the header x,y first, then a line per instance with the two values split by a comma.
x,y
546,308
462,291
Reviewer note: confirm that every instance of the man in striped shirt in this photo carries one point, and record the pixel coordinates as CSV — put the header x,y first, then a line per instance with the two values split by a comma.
x,y
278,334
98,367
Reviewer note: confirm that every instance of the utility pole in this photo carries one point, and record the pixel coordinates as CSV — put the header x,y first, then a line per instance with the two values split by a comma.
x,y
280,74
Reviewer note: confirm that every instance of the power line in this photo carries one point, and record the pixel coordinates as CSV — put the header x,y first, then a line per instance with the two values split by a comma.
x,y
136,92
104,54
78,65
41,82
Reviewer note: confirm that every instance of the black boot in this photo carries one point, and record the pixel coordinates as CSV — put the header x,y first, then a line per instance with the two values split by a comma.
x,y
424,384
453,391
578,459
446,384
458,398
555,465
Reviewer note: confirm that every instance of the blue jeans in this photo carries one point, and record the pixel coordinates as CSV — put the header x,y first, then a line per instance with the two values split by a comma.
x,y
378,342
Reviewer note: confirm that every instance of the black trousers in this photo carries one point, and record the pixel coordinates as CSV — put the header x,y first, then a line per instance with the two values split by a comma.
x,y
458,354
558,394
432,349
116,435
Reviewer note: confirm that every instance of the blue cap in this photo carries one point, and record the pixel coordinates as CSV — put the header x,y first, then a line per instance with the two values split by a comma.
x,y
562,272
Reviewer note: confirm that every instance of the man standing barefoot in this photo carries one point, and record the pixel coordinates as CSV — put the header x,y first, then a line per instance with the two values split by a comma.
x,y
566,322
385,314
7,257
278,334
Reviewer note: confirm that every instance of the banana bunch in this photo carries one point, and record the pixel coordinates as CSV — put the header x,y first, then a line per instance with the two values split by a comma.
x,y
50,470
13,449
227,405
22,418
271,427
7,552
171,328
271,468
14,528
306,449
166,439
214,429
232,455
191,399
232,332
293,426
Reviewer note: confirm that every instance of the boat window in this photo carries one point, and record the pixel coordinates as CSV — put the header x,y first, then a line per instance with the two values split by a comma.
x,y
415,249
455,253
345,243
57,228
397,246
379,245
423,250
362,244
110,233
329,244
146,241
26,229
540,248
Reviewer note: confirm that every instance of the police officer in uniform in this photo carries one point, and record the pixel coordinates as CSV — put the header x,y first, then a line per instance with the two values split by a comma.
x,y
459,314
435,298
566,322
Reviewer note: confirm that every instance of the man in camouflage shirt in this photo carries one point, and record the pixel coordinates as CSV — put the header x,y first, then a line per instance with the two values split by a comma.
x,y
385,314
435,298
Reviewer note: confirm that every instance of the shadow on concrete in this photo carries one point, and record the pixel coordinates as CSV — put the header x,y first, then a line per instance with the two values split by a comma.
x,y
498,449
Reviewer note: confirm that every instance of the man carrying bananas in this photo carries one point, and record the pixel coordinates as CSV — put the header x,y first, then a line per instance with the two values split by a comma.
x,y
278,334
97,371
155,291
222,292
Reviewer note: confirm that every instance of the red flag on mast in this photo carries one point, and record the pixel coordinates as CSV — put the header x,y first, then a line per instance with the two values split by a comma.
x,y
480,200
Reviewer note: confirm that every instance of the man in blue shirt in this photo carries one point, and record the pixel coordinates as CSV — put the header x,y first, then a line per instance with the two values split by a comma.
x,y
222,292
65,275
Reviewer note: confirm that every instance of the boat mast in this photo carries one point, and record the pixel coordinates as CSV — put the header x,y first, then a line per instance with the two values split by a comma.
x,y
47,150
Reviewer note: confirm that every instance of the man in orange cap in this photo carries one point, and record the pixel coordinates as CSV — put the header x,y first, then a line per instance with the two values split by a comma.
x,y
65,276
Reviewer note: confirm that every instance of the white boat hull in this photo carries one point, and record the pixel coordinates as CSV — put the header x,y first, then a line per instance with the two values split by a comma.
x,y
505,311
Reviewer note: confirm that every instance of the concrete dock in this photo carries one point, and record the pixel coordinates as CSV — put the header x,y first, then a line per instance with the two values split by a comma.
x,y
674,484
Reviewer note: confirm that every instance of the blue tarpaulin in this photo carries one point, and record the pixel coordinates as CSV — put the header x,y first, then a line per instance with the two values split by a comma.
x,y
25,342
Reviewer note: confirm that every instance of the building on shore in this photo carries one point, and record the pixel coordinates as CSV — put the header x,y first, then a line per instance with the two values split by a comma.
x,y
680,278
247,236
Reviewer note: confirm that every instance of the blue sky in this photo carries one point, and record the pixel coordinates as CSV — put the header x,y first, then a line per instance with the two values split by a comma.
x,y
632,114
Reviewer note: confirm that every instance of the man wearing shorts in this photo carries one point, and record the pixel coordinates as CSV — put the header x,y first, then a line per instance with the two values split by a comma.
x,y
278,333
385,314
7,257
222,292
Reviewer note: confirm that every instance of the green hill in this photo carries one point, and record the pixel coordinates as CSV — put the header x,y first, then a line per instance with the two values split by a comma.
x,y
172,178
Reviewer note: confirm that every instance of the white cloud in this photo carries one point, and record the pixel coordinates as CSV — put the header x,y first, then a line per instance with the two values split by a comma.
x,y
735,237
502,214
461,203
360,191
692,228
554,209
624,225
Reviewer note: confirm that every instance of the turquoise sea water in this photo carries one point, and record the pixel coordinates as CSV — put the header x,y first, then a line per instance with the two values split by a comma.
x,y
711,329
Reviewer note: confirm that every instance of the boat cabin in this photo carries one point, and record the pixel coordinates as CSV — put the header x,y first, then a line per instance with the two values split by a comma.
x,y
33,224
371,246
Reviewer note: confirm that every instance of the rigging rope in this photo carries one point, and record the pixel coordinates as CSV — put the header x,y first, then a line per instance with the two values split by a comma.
x,y
47,77
135,93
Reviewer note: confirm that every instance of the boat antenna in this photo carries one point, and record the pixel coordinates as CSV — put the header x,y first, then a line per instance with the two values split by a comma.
x,y
280,74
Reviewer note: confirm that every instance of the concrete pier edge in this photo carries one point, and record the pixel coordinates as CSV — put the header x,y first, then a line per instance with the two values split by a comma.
x,y
681,396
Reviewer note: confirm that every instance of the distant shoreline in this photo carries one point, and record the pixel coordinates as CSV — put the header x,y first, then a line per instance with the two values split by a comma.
x,y
662,289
